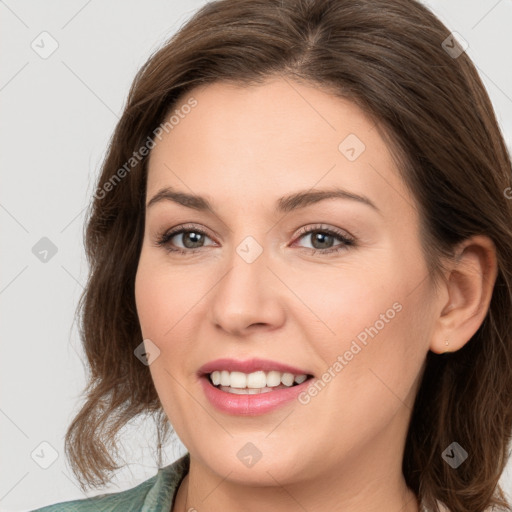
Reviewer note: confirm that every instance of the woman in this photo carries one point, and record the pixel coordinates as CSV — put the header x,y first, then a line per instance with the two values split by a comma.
x,y
369,369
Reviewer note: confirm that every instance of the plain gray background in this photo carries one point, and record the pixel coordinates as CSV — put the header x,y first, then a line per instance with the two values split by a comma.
x,y
58,113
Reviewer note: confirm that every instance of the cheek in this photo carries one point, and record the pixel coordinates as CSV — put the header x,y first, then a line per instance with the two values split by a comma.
x,y
345,301
164,295
163,300
148,298
376,319
372,366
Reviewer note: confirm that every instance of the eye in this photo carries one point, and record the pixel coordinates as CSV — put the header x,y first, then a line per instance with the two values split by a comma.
x,y
191,238
322,239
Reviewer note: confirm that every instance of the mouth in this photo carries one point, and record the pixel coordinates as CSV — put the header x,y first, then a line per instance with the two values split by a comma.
x,y
254,383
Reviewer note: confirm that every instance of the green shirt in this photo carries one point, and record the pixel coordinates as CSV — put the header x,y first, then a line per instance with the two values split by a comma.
x,y
154,495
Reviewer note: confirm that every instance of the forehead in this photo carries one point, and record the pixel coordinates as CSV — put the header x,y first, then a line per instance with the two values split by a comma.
x,y
269,140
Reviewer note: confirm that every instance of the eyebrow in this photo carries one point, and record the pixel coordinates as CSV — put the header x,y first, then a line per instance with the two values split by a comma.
x,y
284,204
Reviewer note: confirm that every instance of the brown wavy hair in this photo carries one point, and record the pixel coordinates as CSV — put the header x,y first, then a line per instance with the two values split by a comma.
x,y
390,57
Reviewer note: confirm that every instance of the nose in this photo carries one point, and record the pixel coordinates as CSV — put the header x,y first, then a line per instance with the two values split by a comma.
x,y
248,297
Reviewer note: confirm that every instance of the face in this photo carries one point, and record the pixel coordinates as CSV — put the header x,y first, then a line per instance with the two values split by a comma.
x,y
337,288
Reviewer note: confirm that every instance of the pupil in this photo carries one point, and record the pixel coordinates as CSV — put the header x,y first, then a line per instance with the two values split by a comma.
x,y
191,234
318,236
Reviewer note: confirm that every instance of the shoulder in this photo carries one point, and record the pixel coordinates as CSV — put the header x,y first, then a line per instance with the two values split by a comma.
x,y
156,493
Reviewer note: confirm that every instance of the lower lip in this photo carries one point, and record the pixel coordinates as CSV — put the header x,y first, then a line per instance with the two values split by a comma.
x,y
250,405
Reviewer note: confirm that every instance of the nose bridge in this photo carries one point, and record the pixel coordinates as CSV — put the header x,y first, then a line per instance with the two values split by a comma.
x,y
246,294
246,284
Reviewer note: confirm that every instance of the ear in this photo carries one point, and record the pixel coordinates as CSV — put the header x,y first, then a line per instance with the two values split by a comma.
x,y
467,292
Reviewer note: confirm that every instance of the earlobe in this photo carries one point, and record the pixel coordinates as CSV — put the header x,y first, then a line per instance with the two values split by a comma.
x,y
469,288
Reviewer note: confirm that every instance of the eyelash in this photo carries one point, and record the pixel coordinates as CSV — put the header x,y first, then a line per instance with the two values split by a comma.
x,y
164,239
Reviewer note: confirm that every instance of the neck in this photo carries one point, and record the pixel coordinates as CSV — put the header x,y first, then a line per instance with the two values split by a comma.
x,y
202,489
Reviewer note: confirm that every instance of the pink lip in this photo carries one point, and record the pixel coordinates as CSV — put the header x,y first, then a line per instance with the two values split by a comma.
x,y
250,405
249,366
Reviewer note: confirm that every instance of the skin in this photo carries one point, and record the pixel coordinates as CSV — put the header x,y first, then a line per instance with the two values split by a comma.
x,y
244,148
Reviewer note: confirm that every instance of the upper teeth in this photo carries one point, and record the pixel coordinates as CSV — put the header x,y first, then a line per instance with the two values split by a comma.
x,y
255,380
